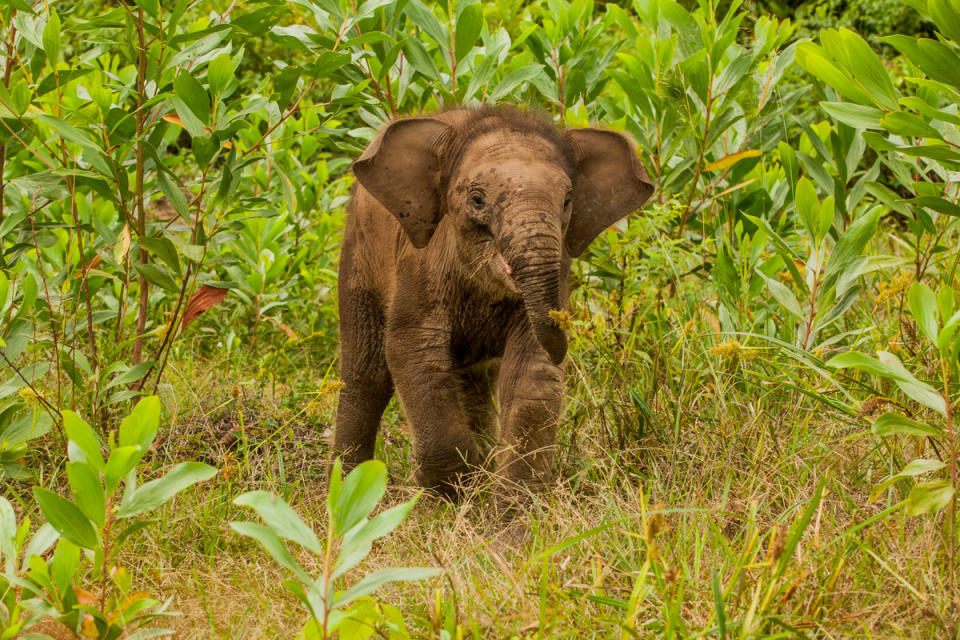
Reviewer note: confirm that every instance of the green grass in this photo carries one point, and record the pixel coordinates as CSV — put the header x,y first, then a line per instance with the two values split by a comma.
x,y
738,507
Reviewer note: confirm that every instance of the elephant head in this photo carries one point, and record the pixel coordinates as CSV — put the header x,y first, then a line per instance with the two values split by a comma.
x,y
519,197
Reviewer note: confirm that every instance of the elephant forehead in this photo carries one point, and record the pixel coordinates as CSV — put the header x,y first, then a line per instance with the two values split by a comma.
x,y
504,145
519,175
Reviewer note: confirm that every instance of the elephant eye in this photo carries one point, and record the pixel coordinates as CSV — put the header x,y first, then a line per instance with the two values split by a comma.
x,y
567,203
477,200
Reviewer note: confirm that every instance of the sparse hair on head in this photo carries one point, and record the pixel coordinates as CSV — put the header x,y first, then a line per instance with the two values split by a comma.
x,y
479,120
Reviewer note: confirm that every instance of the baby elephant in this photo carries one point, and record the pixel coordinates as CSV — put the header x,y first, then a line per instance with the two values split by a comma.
x,y
457,248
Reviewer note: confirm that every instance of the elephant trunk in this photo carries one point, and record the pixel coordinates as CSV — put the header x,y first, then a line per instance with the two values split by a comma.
x,y
538,273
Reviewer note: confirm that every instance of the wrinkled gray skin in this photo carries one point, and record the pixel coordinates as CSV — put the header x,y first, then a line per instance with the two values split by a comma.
x,y
457,247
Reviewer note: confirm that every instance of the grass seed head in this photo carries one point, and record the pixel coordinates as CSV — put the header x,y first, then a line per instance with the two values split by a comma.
x,y
733,351
561,319
778,540
888,290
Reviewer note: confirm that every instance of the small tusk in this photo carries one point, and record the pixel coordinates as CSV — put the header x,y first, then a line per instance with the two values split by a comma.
x,y
502,263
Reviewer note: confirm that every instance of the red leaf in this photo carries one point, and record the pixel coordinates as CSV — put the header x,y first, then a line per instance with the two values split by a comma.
x,y
203,298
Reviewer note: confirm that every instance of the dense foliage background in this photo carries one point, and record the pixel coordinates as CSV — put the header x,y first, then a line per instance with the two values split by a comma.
x,y
759,437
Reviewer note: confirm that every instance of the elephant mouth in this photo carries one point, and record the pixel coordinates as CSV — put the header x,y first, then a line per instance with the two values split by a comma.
x,y
505,272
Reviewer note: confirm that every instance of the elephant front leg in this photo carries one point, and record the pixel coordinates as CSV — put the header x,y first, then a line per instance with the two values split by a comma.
x,y
428,385
531,393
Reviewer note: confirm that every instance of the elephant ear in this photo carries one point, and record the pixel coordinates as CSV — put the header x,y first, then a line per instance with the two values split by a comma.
x,y
401,170
609,183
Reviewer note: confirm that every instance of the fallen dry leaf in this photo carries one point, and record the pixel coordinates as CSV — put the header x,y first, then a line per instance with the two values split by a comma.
x,y
93,264
288,331
732,159
203,298
84,597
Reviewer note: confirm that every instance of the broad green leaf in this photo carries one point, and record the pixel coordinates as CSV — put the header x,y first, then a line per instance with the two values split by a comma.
x,y
895,424
913,469
70,133
193,95
281,519
81,434
174,195
937,60
190,122
940,205
20,5
423,18
815,60
946,303
41,542
326,63
359,495
469,24
782,294
918,391
122,461
8,531
853,241
314,604
806,203
945,14
902,123
514,79
157,275
65,517
379,578
51,38
21,96
156,493
854,115
946,341
863,362
87,490
923,307
63,566
929,497
4,288
382,524
219,73
928,111
863,65
164,249
824,218
132,374
29,425
272,544
141,425
358,541
297,37
421,61
150,6
333,489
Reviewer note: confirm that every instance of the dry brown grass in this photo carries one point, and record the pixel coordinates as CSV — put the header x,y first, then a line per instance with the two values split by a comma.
x,y
733,470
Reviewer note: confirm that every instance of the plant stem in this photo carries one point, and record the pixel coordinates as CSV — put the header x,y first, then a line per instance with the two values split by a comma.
x,y
952,456
453,63
687,211
327,559
138,194
104,562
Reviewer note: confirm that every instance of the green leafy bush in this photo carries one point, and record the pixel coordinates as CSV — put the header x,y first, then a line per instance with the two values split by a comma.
x,y
348,613
82,586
